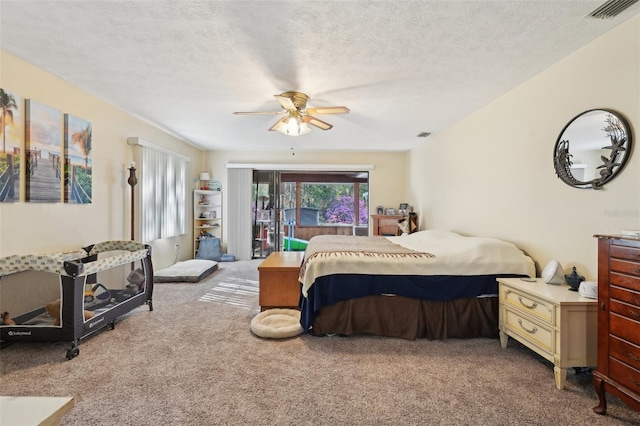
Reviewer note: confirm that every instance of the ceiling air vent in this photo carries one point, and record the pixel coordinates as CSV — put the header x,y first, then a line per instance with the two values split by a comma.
x,y
611,8
424,134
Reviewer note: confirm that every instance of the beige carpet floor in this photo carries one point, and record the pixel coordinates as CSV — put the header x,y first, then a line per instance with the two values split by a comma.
x,y
194,361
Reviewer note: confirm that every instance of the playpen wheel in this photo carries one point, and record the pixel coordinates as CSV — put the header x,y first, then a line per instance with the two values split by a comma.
x,y
150,305
73,352
112,325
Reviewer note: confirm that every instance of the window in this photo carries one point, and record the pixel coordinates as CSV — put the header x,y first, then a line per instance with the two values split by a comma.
x,y
163,195
326,199
290,208
336,203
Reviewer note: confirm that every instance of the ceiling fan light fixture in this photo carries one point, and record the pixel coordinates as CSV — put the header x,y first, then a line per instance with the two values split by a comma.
x,y
292,126
304,127
297,117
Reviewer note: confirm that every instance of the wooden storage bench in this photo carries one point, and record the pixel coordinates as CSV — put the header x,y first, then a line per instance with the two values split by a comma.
x,y
279,286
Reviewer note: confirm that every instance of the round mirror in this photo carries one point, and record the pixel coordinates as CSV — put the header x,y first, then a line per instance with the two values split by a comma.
x,y
592,149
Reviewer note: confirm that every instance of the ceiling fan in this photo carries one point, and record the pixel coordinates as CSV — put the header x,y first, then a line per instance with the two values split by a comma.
x,y
297,117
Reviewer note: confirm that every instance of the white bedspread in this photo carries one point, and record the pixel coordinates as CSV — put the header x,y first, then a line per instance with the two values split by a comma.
x,y
459,255
454,254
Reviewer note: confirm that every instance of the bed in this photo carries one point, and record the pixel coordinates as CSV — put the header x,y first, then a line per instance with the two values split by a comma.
x,y
434,284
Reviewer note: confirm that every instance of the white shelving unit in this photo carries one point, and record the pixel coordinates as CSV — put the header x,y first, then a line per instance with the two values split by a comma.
x,y
207,215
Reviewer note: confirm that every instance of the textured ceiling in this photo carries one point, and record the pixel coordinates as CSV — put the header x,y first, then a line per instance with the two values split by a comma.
x,y
402,67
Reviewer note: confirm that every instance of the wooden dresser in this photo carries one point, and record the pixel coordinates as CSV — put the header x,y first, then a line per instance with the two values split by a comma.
x,y
618,369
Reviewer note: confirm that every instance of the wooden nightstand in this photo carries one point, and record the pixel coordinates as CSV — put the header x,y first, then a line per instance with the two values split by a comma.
x,y
387,224
279,285
549,319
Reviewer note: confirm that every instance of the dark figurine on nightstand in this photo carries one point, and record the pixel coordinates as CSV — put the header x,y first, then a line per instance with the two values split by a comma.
x,y
573,279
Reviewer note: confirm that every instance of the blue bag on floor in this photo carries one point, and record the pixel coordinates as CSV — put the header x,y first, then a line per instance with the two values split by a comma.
x,y
209,248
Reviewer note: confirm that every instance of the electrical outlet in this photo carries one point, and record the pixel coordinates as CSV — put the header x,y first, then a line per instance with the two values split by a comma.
x,y
177,247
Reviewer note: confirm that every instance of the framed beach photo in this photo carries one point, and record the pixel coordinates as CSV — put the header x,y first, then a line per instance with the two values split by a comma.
x,y
12,136
43,153
78,162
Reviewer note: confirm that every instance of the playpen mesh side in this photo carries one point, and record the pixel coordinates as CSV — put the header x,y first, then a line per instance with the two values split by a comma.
x,y
28,290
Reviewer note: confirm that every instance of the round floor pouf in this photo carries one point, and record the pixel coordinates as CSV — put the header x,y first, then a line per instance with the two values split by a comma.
x,y
277,323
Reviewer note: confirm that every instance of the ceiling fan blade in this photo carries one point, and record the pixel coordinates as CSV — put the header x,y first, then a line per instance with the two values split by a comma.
x,y
282,120
259,113
316,122
328,110
286,102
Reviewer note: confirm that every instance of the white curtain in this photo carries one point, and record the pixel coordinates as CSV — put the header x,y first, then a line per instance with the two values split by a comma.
x,y
163,195
239,236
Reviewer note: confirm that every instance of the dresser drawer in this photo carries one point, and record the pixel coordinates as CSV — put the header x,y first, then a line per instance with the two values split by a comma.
x,y
627,281
624,374
537,307
628,253
625,266
537,333
624,351
624,327
632,298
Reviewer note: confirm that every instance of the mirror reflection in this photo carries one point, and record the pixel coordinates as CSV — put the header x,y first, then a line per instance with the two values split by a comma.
x,y
592,149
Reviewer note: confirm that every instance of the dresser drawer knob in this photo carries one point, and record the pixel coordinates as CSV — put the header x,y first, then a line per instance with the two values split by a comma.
x,y
634,382
532,306
634,313
635,270
603,307
532,331
633,357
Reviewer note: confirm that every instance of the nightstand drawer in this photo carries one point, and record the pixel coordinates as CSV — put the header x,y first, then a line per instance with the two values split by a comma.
x,y
624,374
388,225
534,332
538,308
624,351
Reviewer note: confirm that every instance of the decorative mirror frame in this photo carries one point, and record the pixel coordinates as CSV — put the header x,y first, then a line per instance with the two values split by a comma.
x,y
619,132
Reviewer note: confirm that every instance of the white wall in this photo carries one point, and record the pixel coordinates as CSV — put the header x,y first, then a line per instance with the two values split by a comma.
x,y
492,173
48,227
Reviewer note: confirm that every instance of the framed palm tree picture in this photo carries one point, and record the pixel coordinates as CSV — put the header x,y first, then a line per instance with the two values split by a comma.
x,y
77,160
11,134
43,153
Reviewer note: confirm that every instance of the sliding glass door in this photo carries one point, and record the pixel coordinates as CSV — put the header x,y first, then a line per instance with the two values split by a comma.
x,y
266,213
289,208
